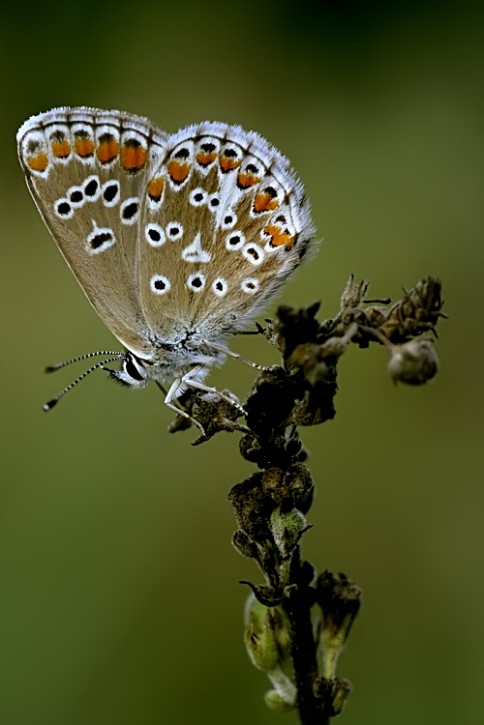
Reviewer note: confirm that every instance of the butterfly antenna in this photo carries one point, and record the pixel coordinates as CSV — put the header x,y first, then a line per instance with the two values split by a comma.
x,y
116,356
86,356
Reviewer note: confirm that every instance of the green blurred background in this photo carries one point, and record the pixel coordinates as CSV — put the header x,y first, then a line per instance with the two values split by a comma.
x,y
119,601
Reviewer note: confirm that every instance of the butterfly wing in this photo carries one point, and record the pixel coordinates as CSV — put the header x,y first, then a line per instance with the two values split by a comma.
x,y
87,170
227,226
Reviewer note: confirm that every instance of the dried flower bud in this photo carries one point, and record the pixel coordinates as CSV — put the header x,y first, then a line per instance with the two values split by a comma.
x,y
287,529
268,644
353,293
244,545
333,692
295,326
415,362
418,311
341,692
259,635
252,507
283,698
293,484
340,601
267,636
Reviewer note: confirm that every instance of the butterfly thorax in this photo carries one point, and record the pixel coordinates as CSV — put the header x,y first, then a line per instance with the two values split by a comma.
x,y
169,361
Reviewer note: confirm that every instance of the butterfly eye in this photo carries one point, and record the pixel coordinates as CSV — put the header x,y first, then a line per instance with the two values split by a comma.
x,y
134,369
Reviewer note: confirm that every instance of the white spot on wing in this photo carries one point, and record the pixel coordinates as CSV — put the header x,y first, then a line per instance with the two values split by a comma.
x,y
174,231
154,235
250,285
100,239
75,195
253,254
129,211
214,202
92,188
235,241
198,197
229,219
194,252
63,209
110,192
196,282
220,287
159,284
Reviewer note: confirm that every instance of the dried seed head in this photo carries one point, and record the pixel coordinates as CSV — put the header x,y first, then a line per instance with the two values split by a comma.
x,y
415,362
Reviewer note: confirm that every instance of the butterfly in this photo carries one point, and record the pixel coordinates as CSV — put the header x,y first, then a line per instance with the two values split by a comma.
x,y
177,240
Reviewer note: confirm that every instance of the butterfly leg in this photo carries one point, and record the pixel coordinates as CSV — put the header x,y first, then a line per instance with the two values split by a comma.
x,y
197,385
236,356
172,394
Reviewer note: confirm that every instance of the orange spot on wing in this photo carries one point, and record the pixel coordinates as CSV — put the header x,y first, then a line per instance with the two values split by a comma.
x,y
205,158
133,156
279,237
155,188
265,202
39,162
61,149
178,171
84,147
245,180
228,164
107,149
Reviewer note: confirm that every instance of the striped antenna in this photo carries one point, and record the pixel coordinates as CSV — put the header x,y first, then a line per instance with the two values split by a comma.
x,y
86,356
114,356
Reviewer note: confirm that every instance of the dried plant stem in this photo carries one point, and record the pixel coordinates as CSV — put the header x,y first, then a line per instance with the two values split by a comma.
x,y
297,622
303,653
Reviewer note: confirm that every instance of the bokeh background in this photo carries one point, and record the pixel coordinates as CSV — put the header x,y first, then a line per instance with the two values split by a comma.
x,y
119,601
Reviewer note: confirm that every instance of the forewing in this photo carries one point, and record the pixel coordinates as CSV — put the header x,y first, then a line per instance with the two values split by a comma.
x,y
224,223
87,170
